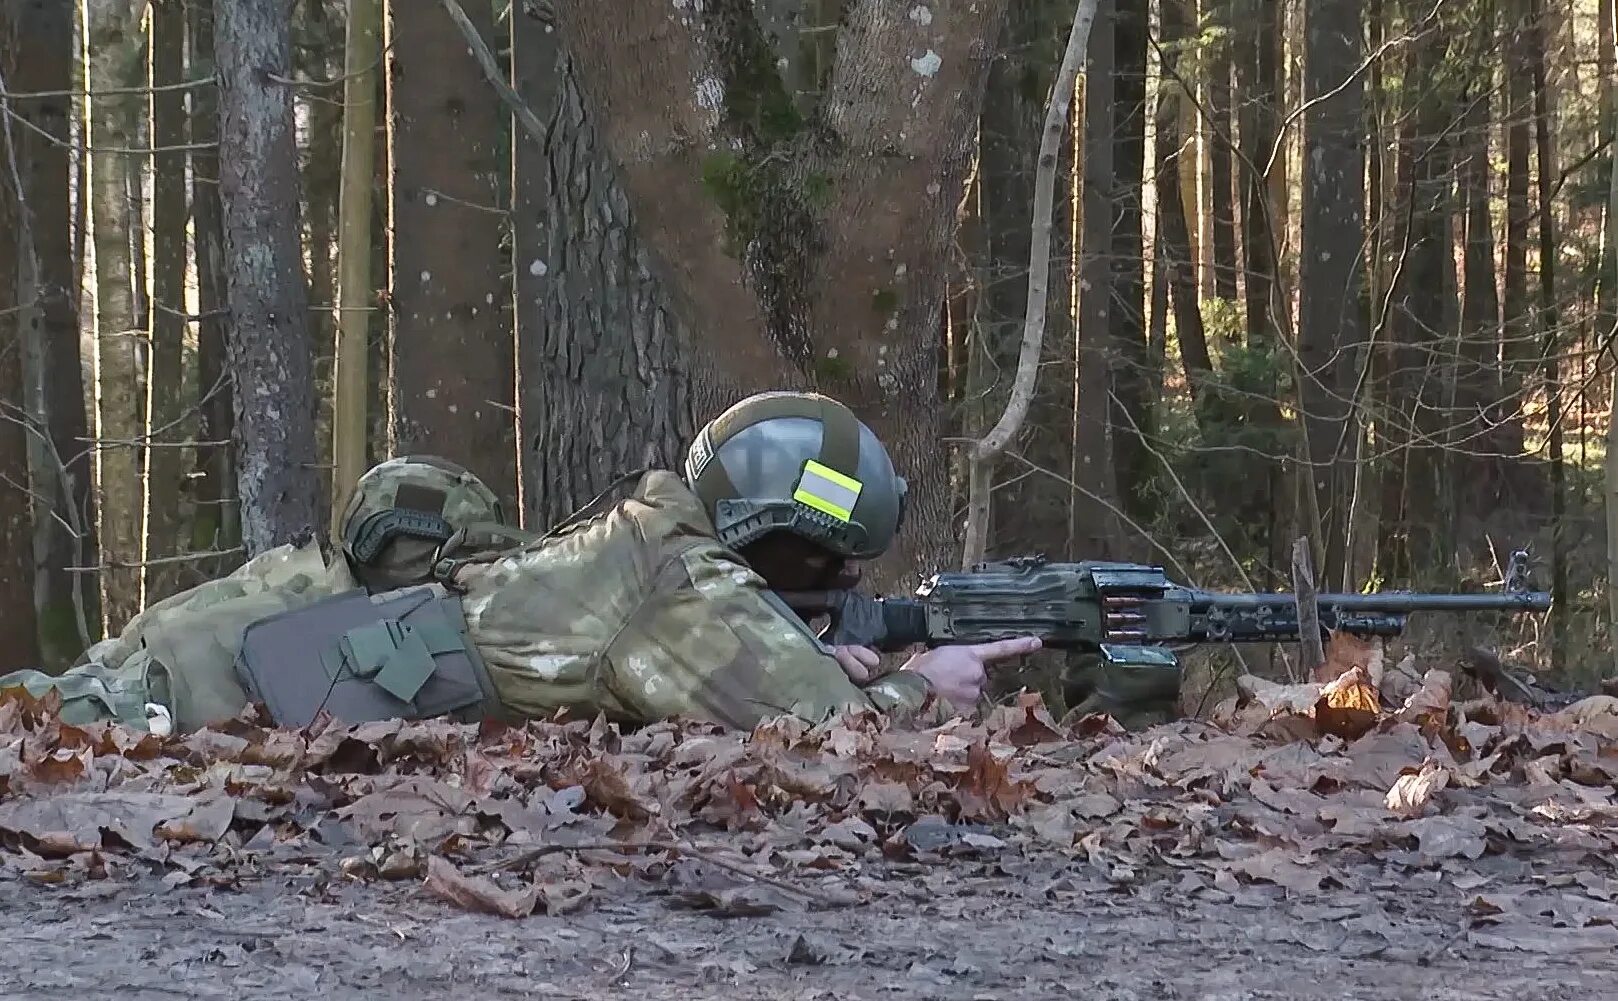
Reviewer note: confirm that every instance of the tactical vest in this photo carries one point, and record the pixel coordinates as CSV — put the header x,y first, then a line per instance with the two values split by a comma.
x,y
402,654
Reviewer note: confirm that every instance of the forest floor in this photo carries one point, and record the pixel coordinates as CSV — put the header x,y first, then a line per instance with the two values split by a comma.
x,y
1363,838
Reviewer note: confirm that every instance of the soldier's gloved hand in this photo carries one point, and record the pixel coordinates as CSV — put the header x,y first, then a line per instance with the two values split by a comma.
x,y
957,673
858,662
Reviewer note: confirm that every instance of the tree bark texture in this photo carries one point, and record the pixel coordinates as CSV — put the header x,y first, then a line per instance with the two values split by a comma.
x,y
165,402
1134,383
1607,77
453,362
1478,386
65,535
1096,528
114,65
1179,261
1332,323
828,234
216,523
357,211
1548,323
19,635
1256,491
321,59
269,347
1415,508
1222,137
1516,331
606,383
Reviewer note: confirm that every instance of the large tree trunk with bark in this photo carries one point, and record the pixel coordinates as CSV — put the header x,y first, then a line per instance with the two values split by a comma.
x,y
65,536
216,525
165,402
1258,75
1179,261
1550,336
1331,321
322,153
1416,512
19,637
1096,528
1516,332
598,338
827,232
1221,156
1478,476
269,347
453,378
1134,384
114,76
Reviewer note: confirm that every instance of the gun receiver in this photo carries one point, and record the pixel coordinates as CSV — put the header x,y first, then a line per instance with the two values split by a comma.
x,y
1124,611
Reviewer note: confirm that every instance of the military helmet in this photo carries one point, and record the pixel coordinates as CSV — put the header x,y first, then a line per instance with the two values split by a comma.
x,y
403,510
800,463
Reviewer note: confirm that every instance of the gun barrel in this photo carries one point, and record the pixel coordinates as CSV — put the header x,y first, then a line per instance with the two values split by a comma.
x,y
1399,601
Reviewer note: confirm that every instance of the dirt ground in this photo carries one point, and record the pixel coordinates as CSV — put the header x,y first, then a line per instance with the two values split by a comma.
x,y
1349,841
1017,927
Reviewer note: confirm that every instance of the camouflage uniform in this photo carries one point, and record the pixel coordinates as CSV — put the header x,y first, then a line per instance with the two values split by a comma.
x,y
173,667
642,614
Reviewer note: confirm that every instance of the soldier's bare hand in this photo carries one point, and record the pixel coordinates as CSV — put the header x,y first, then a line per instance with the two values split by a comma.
x,y
858,662
958,673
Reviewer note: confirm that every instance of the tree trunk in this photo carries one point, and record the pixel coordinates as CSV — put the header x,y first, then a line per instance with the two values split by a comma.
x,y
323,145
1133,379
1550,336
1331,323
216,526
19,633
165,402
379,361
1478,476
269,349
1257,499
1178,257
597,336
114,65
452,351
809,232
1222,131
1611,277
1607,80
1516,334
1416,490
68,603
362,80
1096,529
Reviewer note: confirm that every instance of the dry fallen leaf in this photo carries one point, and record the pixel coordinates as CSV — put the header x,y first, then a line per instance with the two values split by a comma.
x,y
475,893
1410,794
1348,706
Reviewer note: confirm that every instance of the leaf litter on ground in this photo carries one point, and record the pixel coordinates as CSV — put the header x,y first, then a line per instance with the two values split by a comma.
x,y
1355,778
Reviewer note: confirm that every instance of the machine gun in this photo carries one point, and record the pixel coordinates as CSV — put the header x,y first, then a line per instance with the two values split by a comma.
x,y
1126,612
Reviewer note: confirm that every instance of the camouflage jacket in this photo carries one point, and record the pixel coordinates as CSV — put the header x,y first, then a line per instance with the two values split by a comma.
x,y
641,614
173,666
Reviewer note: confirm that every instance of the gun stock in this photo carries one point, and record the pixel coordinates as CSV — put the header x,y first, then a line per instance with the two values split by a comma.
x,y
1127,612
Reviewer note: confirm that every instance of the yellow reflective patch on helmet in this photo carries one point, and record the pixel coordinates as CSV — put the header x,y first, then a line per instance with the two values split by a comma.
x,y
825,489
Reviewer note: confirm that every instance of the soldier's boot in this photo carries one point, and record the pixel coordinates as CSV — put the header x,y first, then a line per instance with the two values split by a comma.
x,y
1136,695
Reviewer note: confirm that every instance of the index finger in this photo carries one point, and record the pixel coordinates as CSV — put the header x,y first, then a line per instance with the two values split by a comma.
x,y
1003,649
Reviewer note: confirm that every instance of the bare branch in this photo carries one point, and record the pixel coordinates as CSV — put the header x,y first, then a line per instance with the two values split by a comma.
x,y
1057,114
491,71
